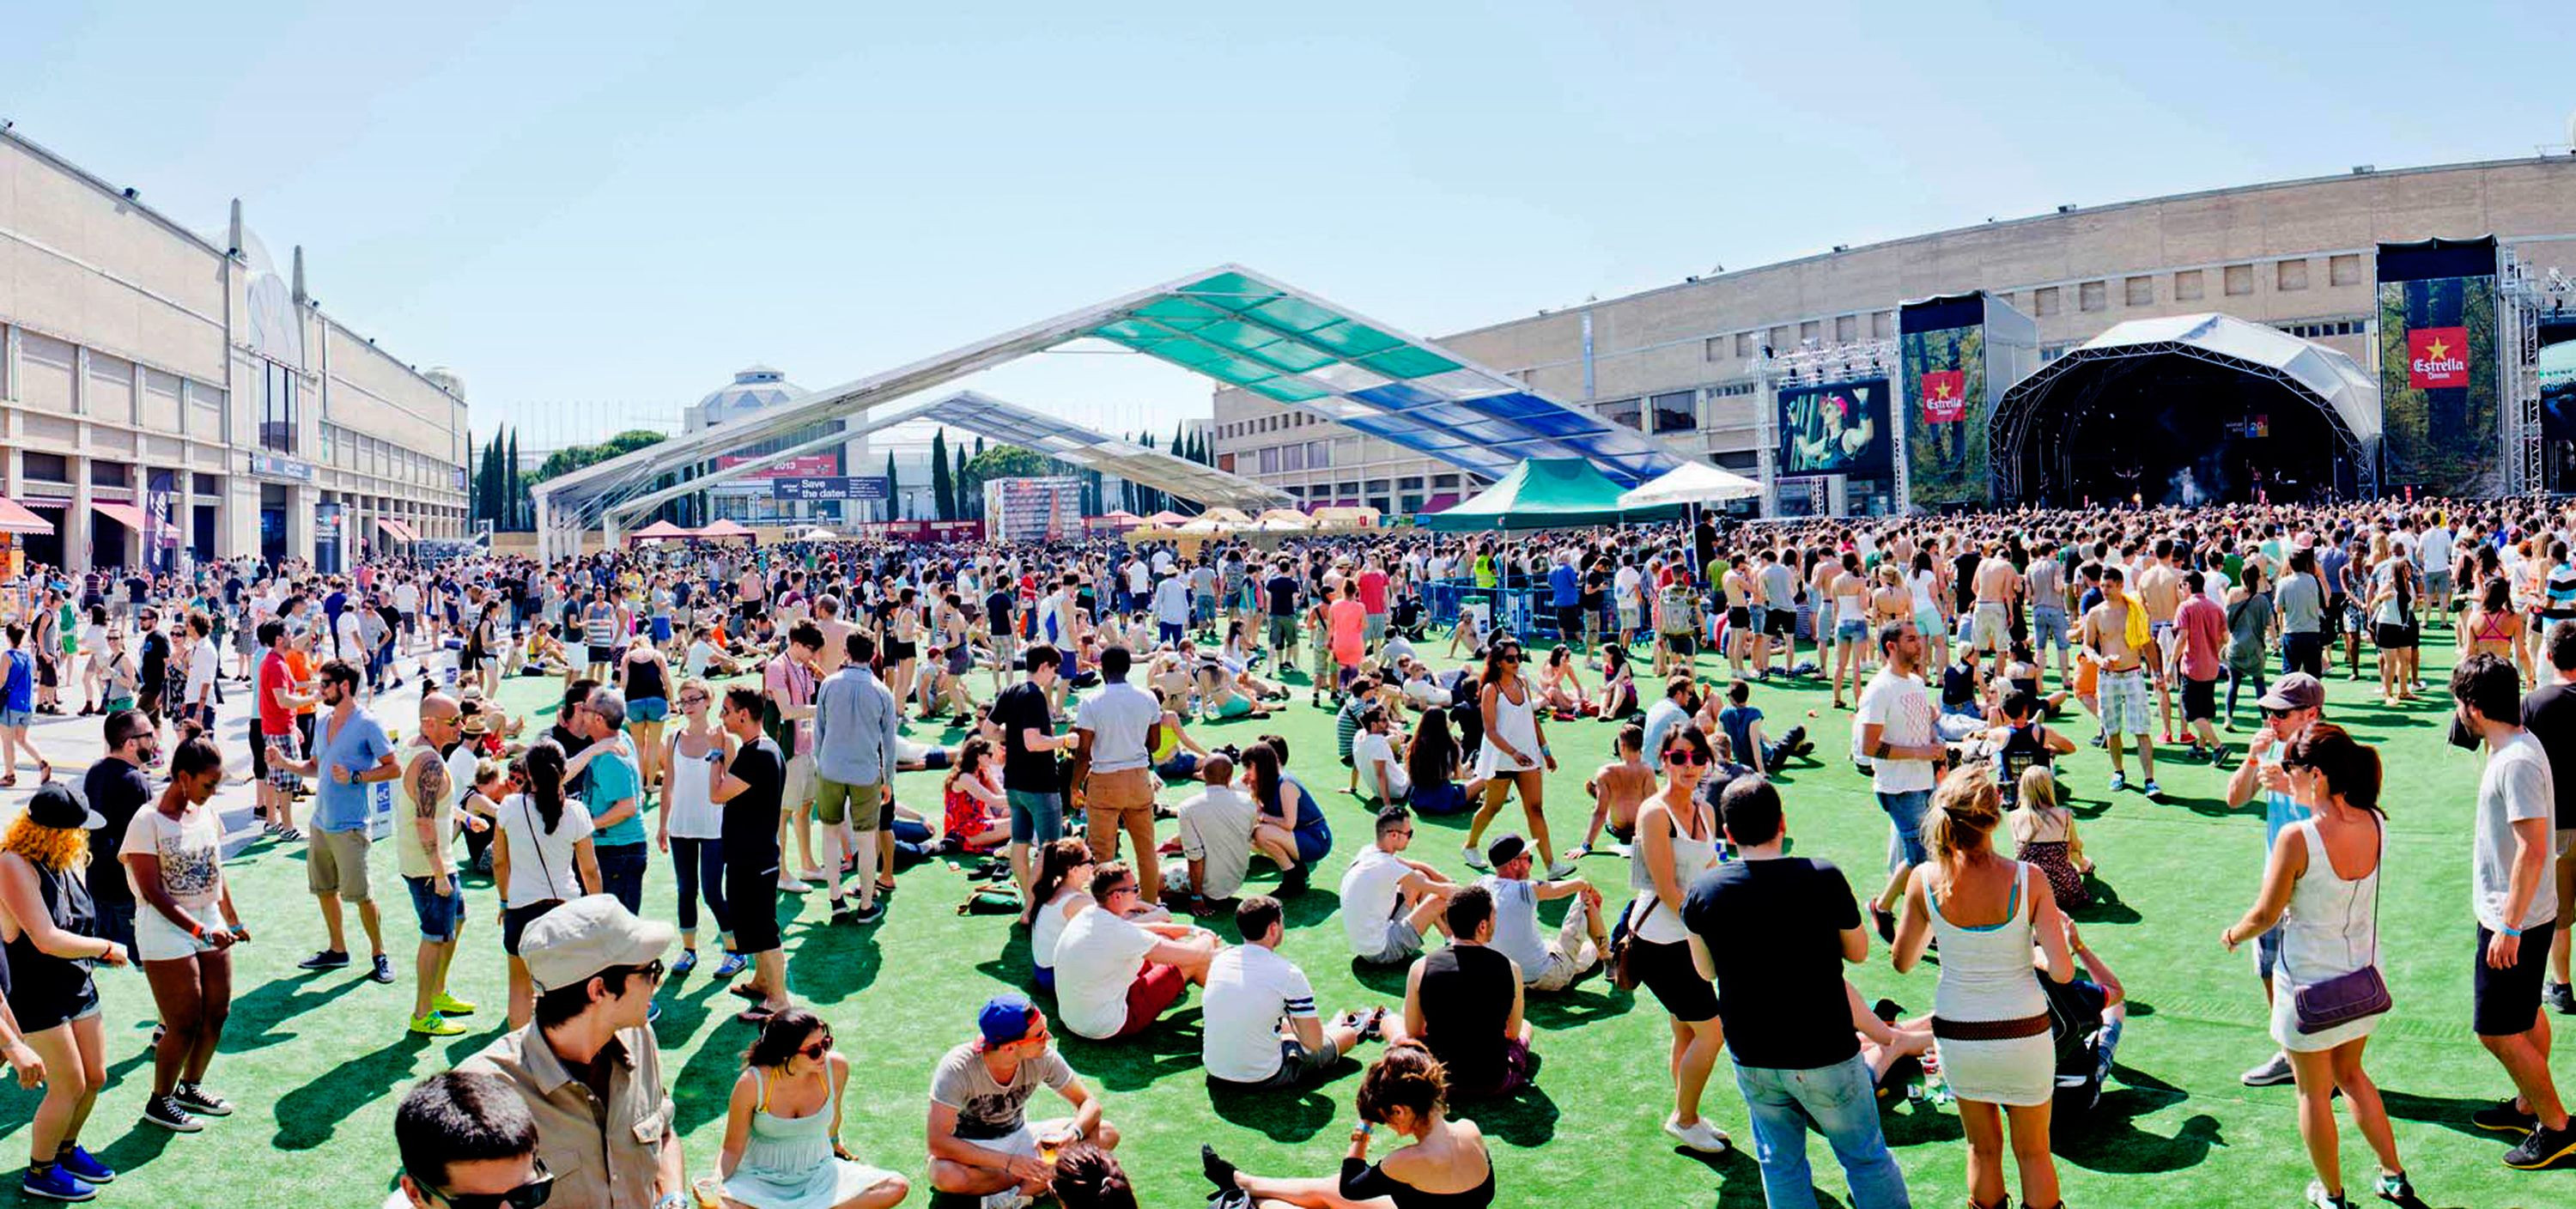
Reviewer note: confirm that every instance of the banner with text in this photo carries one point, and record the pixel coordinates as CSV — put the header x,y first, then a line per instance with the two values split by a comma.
x,y
2440,394
829,487
1941,350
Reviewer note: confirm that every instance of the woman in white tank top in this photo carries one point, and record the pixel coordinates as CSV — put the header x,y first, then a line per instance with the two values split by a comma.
x,y
2321,889
692,828
1676,842
1513,755
1989,1016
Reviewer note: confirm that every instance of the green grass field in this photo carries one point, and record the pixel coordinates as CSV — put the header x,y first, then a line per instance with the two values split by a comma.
x,y
317,1063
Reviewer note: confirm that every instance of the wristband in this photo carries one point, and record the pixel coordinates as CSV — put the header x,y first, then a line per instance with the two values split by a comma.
x,y
2513,932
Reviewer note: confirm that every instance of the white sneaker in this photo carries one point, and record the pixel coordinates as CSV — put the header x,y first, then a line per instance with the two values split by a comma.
x,y
1475,860
1009,1198
1698,1135
1560,870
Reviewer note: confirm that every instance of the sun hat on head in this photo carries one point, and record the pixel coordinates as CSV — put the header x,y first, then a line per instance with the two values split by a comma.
x,y
577,940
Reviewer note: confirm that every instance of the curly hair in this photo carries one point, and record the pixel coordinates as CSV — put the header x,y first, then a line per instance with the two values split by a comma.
x,y
1406,1076
61,849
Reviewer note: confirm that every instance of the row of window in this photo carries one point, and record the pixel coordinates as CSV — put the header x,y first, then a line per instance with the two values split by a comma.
x,y
1350,490
2191,285
2328,327
1259,424
363,454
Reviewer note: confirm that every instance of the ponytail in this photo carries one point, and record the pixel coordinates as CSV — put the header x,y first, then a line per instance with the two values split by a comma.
x,y
1965,809
545,783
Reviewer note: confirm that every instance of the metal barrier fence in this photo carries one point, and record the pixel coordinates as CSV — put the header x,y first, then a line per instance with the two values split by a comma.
x,y
1521,610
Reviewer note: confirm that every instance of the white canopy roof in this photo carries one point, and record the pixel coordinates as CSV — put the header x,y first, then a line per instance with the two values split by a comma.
x,y
1691,483
2328,374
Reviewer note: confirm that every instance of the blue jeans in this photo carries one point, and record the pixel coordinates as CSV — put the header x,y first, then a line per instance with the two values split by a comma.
x,y
621,873
1036,818
1842,1105
699,866
1905,813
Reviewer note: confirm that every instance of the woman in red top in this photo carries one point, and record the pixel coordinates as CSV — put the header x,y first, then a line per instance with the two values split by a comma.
x,y
976,818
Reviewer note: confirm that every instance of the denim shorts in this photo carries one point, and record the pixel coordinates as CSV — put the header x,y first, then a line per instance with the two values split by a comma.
x,y
440,914
648,710
1036,818
1851,630
2047,628
17,719
1905,813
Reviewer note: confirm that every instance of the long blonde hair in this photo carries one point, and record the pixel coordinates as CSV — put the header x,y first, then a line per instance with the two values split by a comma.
x,y
1965,809
61,849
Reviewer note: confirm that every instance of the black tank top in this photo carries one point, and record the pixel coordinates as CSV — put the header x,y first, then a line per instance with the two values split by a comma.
x,y
45,990
644,681
1466,997
2023,749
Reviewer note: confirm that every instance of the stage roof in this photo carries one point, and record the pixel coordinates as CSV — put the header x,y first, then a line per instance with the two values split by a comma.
x,y
1237,327
2330,375
996,420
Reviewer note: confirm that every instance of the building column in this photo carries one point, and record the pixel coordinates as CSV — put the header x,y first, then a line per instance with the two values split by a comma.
x,y
79,531
237,519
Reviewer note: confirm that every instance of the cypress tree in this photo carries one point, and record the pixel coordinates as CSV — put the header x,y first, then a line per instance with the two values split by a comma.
x,y
943,494
894,491
515,492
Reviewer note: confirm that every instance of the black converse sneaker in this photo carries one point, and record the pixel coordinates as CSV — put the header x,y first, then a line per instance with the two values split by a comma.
x,y
198,1100
166,1112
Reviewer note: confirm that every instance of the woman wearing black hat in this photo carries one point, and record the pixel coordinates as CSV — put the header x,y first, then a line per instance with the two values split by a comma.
x,y
46,928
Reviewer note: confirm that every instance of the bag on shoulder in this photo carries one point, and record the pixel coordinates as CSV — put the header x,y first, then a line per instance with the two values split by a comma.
x,y
1625,973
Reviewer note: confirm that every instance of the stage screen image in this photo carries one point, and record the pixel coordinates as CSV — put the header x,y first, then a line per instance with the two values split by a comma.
x,y
1945,433
1837,428
2558,400
2442,417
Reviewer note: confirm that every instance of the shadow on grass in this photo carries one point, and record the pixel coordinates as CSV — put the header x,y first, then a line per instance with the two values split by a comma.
x,y
309,1115
1012,964
1739,1179
1170,1047
2106,907
2449,1112
255,1016
1280,1116
2213,808
1557,1013
1524,1118
1311,908
1916,1124
1383,979
2108,1139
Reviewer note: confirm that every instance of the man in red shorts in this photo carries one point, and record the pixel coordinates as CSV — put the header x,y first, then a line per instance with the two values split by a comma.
x,y
1114,975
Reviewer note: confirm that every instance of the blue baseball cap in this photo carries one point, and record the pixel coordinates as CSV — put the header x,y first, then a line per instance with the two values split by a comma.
x,y
1006,1018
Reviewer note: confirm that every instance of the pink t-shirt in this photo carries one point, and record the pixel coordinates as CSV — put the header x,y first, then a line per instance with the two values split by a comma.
x,y
1349,621
790,684
2201,626
1373,590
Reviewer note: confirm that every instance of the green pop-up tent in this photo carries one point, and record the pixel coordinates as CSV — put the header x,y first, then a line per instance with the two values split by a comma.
x,y
1545,493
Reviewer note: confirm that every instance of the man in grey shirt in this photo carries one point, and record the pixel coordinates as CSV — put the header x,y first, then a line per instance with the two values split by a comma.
x,y
854,754
2302,601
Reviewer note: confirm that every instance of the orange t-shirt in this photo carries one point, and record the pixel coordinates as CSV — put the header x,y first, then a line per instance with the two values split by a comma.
x,y
299,667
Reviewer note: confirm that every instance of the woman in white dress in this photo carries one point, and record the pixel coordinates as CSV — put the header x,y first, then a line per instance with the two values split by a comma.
x,y
1513,755
1989,1016
2322,889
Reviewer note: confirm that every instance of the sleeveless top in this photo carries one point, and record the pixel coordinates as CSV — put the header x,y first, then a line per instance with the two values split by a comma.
x,y
45,990
694,814
787,1161
644,681
1653,922
2023,749
2332,925
1986,971
1515,722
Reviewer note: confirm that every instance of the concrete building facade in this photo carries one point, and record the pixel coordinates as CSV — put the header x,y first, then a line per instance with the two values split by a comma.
x,y
148,368
1681,362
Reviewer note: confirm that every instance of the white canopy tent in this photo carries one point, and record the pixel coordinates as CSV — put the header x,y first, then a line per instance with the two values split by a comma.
x,y
1691,483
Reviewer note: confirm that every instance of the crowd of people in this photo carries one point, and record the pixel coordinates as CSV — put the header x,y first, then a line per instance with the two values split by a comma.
x,y
1066,681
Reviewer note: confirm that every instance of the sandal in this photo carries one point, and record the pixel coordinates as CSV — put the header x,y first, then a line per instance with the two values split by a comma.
x,y
885,885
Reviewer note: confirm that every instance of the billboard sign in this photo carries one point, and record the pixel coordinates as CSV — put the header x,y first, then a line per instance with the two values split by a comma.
x,y
2440,387
829,487
803,465
1835,428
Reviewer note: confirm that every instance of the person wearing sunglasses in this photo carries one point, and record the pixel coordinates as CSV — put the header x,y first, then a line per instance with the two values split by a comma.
x,y
468,1142
596,967
782,1143
2294,704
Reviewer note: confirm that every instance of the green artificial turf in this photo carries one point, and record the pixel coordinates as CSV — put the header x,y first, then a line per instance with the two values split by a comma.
x,y
317,1062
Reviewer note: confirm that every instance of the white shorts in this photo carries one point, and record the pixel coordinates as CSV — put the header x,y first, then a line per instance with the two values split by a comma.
x,y
800,781
157,939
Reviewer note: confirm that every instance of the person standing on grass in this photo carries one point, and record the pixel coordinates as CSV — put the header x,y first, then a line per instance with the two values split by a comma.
x,y
855,718
751,791
789,682
1514,756
2514,896
280,742
2117,638
1992,1019
47,930
2320,897
1676,843
1896,734
616,795
588,1067
692,830
425,819
1120,726
173,853
1779,928
1030,781
2294,705
116,788
350,752
2549,713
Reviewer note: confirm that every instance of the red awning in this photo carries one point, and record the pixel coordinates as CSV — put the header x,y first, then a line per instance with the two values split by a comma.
x,y
16,519
396,529
124,514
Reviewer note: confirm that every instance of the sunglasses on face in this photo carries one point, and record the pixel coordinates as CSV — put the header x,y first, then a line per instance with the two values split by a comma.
x,y
2275,714
1685,755
526,1196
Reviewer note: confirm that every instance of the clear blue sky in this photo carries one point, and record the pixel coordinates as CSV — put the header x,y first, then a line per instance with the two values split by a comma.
x,y
598,212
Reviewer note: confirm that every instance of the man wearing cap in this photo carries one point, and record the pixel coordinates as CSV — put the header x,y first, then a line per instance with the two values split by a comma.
x,y
588,1066
2295,703
981,1140
1546,965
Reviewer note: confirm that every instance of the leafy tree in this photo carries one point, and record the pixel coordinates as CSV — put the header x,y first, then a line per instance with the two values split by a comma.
x,y
518,494
574,457
943,489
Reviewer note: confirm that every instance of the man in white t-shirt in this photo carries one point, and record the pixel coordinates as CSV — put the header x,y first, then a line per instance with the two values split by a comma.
x,y
1259,1025
1113,976
1895,727
1631,606
1216,838
1387,901
1379,764
2433,554
351,636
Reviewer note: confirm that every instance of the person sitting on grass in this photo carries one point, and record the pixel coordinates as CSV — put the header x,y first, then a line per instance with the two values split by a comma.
x,y
1561,686
1445,1163
1464,1002
981,1141
2044,835
1291,828
1388,901
1378,760
1432,763
1617,790
1742,722
1114,976
1216,826
1547,964
1176,754
787,1099
1261,1030
1087,1177
974,817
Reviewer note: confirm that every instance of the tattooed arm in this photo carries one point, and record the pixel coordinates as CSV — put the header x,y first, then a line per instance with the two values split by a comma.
x,y
426,779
